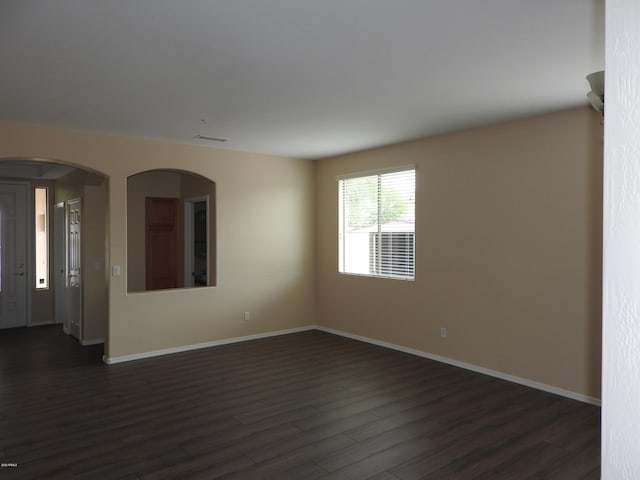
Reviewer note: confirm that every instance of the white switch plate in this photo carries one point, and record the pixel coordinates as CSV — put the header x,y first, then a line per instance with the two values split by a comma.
x,y
115,270
247,316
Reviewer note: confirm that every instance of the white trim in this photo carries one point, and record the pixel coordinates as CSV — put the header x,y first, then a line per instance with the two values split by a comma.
x,y
197,346
468,366
92,341
438,358
42,324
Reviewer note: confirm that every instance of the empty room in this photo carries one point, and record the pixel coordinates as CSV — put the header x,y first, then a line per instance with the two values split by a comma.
x,y
335,240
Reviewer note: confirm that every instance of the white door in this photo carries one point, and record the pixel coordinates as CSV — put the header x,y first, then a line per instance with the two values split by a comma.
x,y
74,271
60,265
13,255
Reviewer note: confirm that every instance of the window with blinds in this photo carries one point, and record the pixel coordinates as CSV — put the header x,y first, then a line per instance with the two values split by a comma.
x,y
377,224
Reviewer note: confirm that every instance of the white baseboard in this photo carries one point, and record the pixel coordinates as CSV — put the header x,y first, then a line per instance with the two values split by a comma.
x,y
197,346
92,341
438,358
41,324
468,366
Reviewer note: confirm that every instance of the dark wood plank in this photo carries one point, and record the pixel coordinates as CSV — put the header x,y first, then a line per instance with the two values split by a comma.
x,y
302,406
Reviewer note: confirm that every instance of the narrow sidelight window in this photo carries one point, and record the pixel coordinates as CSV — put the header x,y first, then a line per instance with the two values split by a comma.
x,y
42,237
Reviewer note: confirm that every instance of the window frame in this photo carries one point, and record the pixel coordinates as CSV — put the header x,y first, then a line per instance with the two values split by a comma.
x,y
377,271
44,239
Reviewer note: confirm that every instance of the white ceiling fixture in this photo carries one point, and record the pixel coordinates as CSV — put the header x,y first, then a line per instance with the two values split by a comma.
x,y
596,95
299,78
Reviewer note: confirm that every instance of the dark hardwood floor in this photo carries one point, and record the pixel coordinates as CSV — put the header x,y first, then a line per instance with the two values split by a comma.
x,y
302,406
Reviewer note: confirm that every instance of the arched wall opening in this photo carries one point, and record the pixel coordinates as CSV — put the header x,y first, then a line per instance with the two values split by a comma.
x,y
52,294
171,230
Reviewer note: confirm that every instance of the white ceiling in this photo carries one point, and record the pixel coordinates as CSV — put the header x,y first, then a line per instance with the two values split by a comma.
x,y
300,78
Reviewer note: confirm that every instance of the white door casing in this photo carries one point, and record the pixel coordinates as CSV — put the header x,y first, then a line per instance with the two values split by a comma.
x,y
74,270
60,265
13,255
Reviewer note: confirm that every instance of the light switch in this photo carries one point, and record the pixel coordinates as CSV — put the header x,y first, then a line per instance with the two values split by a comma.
x,y
115,270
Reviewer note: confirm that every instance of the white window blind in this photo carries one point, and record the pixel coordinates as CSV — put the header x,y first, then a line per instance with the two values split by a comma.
x,y
377,224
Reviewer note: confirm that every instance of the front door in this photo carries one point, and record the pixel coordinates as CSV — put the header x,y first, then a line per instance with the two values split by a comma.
x,y
13,255
74,271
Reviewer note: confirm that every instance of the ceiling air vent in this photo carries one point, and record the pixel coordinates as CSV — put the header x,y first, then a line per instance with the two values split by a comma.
x,y
211,139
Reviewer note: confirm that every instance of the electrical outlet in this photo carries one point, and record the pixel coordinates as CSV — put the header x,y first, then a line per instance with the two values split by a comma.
x,y
247,316
443,332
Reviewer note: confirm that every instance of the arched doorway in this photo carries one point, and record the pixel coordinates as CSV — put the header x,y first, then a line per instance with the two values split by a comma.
x,y
54,248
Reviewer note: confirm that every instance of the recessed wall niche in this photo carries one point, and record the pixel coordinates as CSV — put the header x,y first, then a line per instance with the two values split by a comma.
x,y
171,231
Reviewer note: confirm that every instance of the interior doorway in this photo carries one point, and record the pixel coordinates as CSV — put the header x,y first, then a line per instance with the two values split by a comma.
x,y
196,239
70,278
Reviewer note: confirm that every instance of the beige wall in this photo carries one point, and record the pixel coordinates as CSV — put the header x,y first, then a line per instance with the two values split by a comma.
x,y
508,250
508,246
95,287
265,237
92,189
70,186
